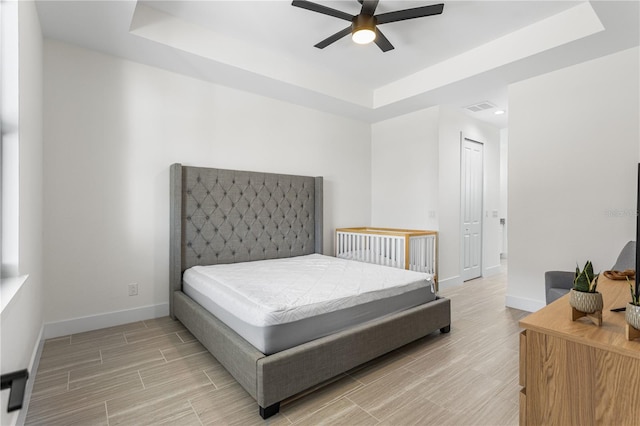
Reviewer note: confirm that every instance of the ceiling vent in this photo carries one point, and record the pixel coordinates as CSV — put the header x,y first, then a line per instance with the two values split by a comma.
x,y
481,106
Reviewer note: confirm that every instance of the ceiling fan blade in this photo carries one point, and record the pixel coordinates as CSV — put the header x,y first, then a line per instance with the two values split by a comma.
x,y
416,12
332,39
383,43
369,7
314,7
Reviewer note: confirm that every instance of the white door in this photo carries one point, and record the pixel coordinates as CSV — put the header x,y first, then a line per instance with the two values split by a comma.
x,y
471,167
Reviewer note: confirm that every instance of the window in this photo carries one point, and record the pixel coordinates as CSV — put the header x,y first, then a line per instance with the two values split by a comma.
x,y
9,152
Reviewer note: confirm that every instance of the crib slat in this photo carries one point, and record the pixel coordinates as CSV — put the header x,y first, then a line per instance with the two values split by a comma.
x,y
414,250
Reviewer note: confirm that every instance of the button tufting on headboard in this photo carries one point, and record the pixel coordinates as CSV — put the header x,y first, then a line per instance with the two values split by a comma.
x,y
234,216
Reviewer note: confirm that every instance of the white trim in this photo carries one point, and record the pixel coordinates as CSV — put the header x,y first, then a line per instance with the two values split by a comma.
x,y
33,369
110,319
450,282
529,305
492,270
9,287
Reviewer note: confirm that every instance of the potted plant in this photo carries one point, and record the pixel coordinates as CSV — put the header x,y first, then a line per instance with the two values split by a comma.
x,y
632,312
583,296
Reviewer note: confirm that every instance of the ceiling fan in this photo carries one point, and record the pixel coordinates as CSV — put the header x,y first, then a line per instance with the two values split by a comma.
x,y
363,26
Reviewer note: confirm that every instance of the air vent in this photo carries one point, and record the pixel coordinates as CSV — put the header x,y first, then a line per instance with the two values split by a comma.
x,y
481,106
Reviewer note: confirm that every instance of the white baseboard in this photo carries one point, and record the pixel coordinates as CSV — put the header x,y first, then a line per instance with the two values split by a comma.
x,y
110,319
491,270
524,304
449,282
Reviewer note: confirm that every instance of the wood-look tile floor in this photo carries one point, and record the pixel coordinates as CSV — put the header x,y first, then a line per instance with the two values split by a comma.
x,y
153,372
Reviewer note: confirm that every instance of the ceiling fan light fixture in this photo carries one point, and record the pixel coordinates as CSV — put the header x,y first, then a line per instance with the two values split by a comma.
x,y
363,36
363,29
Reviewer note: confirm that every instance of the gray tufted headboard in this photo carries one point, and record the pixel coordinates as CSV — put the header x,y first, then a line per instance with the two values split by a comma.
x,y
229,216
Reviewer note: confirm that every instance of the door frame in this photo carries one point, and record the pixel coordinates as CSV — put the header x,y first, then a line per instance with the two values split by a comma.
x,y
464,138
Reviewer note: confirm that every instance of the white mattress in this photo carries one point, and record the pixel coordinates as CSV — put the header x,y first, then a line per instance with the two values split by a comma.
x,y
263,300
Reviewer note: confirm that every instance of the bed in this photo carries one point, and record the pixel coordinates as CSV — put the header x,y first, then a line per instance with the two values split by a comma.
x,y
226,217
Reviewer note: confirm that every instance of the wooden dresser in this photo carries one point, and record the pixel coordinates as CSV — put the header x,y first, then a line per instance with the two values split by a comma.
x,y
575,373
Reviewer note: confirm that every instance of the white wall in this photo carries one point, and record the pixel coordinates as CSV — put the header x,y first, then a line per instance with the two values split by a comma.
x,y
404,165
416,169
573,153
112,129
22,318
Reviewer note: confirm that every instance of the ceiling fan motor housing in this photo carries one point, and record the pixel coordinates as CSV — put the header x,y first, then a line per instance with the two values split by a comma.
x,y
361,22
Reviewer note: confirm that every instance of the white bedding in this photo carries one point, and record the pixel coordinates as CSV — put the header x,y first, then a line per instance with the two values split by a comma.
x,y
281,303
279,291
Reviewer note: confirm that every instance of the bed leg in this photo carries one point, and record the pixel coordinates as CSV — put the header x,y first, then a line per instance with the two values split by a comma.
x,y
445,329
269,411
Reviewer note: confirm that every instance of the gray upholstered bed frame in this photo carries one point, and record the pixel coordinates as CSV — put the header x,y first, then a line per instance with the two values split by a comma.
x,y
227,216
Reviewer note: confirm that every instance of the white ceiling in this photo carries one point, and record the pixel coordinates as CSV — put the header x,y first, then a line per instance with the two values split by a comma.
x,y
467,55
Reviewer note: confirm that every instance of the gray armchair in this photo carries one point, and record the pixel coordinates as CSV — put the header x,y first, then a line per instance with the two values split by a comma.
x,y
558,283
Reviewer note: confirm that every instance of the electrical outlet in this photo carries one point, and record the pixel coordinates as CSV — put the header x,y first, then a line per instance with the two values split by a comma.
x,y
133,289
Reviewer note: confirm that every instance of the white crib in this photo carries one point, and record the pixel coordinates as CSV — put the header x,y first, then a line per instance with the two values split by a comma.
x,y
400,248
